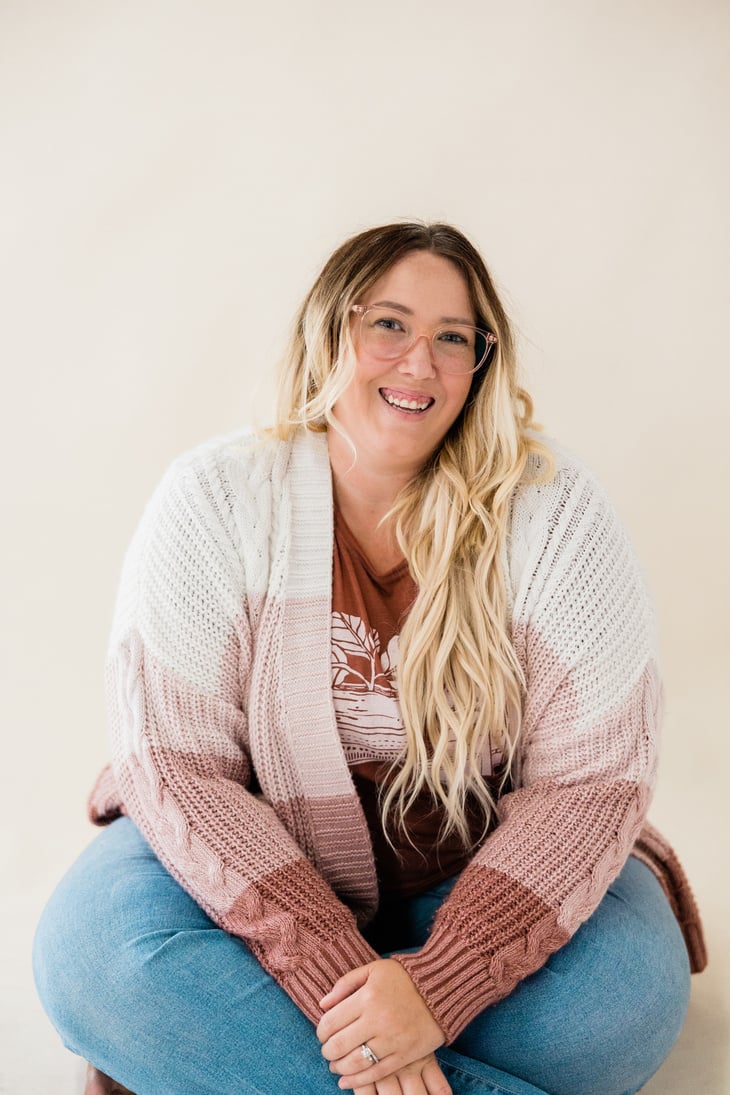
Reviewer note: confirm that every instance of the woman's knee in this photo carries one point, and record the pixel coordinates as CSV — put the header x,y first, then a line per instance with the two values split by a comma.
x,y
86,957
61,952
129,968
614,1036
624,989
604,1012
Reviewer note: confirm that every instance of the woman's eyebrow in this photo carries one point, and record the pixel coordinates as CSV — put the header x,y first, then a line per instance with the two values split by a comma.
x,y
392,304
409,312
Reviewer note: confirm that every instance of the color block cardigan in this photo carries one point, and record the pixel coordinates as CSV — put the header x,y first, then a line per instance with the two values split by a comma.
x,y
225,749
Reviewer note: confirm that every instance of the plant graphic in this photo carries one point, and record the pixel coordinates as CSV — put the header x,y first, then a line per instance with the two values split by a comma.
x,y
355,656
363,690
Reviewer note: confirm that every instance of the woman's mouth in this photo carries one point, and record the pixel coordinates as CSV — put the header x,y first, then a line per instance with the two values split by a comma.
x,y
411,403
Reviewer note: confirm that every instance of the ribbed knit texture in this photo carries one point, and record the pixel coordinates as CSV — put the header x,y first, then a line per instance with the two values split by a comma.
x,y
219,668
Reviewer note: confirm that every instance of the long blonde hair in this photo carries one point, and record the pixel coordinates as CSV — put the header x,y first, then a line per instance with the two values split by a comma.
x,y
459,681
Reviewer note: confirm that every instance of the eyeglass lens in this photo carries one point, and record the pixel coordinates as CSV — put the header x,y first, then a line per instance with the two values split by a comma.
x,y
456,347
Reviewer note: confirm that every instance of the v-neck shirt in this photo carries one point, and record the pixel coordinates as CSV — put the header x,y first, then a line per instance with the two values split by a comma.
x,y
368,611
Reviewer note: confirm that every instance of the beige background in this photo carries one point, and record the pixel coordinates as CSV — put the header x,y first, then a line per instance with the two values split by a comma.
x,y
172,176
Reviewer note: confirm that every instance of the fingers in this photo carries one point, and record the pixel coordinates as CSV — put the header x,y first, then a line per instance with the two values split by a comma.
x,y
433,1078
357,1068
387,1012
412,1084
389,1086
344,1047
347,984
422,1077
335,1022
346,1083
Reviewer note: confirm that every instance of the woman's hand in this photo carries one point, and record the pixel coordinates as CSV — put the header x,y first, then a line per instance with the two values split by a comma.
x,y
422,1077
378,1004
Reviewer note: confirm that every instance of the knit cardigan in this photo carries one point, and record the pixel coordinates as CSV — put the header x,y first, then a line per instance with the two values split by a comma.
x,y
226,754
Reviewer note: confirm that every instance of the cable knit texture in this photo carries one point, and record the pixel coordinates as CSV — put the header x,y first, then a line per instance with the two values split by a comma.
x,y
226,753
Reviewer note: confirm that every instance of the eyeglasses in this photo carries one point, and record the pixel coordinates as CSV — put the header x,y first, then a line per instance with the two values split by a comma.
x,y
455,347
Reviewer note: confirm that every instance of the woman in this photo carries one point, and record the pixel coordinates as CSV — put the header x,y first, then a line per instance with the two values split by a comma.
x,y
384,714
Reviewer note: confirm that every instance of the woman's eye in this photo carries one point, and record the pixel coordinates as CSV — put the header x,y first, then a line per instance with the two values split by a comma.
x,y
455,337
387,324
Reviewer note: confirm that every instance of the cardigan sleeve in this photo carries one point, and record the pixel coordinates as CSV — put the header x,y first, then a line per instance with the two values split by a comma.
x,y
177,678
582,628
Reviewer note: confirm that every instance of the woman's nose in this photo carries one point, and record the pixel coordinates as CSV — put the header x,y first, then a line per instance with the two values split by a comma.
x,y
418,361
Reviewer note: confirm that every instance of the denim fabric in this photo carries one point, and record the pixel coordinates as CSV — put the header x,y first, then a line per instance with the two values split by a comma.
x,y
137,979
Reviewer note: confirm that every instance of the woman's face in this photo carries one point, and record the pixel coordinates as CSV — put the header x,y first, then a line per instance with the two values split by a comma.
x,y
429,291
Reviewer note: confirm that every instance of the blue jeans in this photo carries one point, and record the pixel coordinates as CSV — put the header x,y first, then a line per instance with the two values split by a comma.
x,y
139,981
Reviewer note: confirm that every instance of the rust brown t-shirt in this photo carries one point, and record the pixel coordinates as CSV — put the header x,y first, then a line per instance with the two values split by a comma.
x,y
368,609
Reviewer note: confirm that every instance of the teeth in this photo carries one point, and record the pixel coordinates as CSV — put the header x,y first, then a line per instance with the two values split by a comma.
x,y
407,404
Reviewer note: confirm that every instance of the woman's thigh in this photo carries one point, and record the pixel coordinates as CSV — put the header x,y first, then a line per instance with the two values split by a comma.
x,y
138,980
605,1010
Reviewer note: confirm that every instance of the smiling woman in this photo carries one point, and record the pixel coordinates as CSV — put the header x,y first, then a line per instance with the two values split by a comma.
x,y
384,712
398,407
401,402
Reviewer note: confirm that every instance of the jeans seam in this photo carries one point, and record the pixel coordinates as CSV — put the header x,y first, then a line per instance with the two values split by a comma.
x,y
474,1074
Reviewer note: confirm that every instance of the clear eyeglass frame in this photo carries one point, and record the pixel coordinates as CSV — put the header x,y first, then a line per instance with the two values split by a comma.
x,y
442,359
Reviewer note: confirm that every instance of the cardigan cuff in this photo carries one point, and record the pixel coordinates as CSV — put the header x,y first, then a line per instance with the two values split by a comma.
x,y
314,976
454,984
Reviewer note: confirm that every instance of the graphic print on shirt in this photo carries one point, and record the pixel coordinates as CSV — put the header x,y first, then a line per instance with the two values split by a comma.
x,y
363,689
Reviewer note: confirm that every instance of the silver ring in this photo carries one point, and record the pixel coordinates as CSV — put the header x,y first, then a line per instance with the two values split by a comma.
x,y
368,1054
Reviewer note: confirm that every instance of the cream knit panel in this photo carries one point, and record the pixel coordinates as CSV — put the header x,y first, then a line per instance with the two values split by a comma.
x,y
182,585
178,670
584,633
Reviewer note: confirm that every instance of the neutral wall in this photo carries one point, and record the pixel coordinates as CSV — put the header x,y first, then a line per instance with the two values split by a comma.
x,y
172,176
